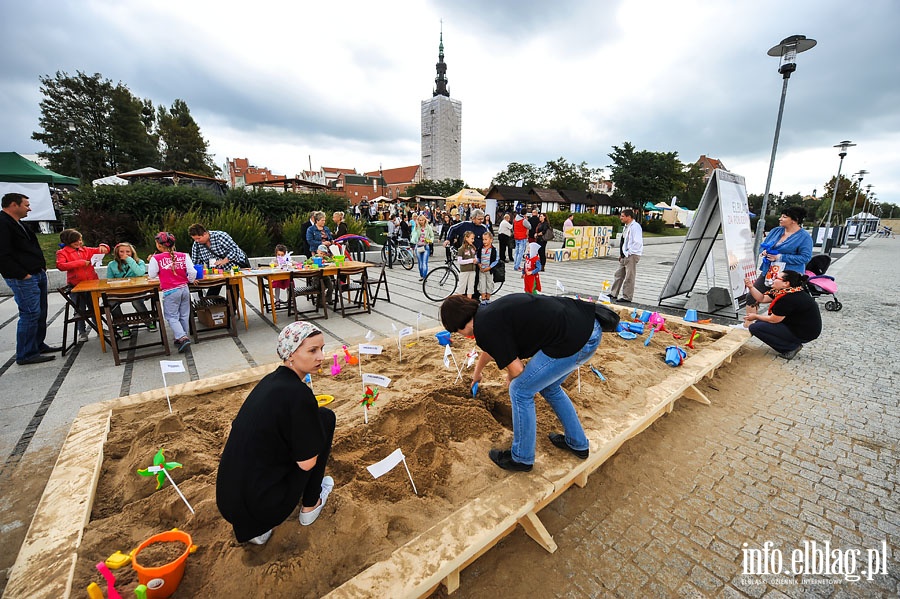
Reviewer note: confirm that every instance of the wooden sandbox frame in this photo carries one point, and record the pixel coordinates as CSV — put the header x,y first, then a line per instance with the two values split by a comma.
x,y
435,556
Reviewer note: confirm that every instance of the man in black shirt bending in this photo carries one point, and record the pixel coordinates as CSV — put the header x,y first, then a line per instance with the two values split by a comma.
x,y
561,334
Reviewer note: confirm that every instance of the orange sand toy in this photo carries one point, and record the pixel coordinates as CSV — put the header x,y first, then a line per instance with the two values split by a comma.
x,y
163,581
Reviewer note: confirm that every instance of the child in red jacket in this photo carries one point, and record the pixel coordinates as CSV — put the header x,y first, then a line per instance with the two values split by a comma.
x,y
532,266
75,259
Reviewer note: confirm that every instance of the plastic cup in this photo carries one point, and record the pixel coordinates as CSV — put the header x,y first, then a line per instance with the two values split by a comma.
x,y
443,337
645,316
690,316
163,581
199,269
317,261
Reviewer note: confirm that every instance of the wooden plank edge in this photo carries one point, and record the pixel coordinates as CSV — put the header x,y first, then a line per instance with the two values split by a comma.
x,y
62,513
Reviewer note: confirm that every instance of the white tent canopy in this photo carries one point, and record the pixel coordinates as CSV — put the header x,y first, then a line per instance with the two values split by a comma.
x,y
117,180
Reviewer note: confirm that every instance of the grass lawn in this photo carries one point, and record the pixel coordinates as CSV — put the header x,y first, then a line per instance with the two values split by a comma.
x,y
669,232
50,244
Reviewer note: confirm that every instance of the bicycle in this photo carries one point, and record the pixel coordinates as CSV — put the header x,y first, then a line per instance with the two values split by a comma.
x,y
397,249
441,282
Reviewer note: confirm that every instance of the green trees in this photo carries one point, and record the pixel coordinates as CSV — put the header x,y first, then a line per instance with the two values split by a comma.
x,y
644,176
526,175
93,128
181,144
443,188
556,174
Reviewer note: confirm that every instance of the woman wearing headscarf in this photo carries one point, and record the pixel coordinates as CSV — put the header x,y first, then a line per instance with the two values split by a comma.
x,y
279,443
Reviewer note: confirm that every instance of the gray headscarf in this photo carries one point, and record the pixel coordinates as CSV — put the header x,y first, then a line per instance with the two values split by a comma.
x,y
292,336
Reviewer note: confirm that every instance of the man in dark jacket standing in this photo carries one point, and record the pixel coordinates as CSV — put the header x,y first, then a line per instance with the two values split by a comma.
x,y
24,269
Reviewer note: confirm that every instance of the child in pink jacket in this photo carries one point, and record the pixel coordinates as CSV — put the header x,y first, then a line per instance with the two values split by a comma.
x,y
175,271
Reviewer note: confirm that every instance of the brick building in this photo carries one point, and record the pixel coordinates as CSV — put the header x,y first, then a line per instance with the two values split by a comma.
x,y
241,173
398,180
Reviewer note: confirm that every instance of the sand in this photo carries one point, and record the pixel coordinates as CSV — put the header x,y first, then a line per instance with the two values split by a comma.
x,y
444,433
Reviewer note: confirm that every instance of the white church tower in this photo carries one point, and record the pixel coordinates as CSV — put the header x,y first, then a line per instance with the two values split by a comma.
x,y
441,129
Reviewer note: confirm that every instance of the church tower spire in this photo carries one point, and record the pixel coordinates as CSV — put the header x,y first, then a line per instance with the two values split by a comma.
x,y
441,67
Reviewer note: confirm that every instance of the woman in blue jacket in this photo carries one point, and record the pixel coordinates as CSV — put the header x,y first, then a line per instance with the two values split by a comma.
x,y
787,243
318,234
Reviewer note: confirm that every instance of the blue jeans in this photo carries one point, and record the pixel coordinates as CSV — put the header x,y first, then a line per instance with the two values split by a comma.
x,y
31,298
521,244
423,260
545,375
177,310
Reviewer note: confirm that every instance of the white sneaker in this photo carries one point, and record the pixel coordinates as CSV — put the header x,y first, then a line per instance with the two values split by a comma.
x,y
261,539
82,337
307,518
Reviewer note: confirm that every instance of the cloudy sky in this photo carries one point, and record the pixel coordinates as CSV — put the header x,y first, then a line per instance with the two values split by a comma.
x,y
340,83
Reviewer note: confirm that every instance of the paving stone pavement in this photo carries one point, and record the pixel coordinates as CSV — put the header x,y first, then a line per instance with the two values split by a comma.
x,y
793,452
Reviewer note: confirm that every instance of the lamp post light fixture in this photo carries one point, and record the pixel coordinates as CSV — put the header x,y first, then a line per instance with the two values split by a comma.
x,y
787,50
837,181
859,179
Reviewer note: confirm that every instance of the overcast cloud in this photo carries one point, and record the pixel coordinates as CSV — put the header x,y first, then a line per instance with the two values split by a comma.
x,y
340,83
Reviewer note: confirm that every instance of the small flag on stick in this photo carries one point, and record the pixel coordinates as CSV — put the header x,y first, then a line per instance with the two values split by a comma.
x,y
381,468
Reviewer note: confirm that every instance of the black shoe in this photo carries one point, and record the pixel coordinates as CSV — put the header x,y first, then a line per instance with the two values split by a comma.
x,y
622,300
503,458
789,355
559,440
51,349
37,359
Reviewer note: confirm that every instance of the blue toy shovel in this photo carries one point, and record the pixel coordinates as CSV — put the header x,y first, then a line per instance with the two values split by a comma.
x,y
649,337
474,389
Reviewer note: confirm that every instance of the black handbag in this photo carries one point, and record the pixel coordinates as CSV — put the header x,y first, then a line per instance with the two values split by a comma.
x,y
499,272
607,318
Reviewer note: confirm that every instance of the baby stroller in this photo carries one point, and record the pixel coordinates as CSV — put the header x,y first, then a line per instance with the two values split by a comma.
x,y
821,284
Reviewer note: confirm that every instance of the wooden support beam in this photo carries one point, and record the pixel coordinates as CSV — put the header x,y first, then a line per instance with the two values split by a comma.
x,y
534,528
694,393
452,581
582,479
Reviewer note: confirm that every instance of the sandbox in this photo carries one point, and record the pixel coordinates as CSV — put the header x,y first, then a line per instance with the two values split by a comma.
x,y
375,537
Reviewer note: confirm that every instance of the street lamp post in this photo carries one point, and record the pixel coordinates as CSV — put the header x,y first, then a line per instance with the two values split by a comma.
x,y
837,181
71,127
859,179
864,208
787,50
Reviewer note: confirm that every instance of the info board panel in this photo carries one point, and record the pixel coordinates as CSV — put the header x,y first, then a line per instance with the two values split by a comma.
x,y
581,243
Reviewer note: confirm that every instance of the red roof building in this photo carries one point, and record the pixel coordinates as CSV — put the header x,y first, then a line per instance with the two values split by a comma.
x,y
242,173
397,180
708,165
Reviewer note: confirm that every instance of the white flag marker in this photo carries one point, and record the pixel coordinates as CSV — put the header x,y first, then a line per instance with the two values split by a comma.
x,y
559,286
381,468
370,335
418,318
400,335
169,366
375,379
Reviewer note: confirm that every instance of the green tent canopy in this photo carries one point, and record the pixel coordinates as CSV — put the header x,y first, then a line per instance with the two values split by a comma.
x,y
648,206
15,168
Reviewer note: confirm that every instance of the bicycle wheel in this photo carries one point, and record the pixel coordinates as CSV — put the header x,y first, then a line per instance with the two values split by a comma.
x,y
406,258
440,283
385,250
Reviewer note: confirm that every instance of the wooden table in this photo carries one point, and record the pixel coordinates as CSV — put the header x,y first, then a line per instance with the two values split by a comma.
x,y
136,284
277,274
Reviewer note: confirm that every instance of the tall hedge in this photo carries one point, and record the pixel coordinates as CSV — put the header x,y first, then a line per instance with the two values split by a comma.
x,y
116,213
